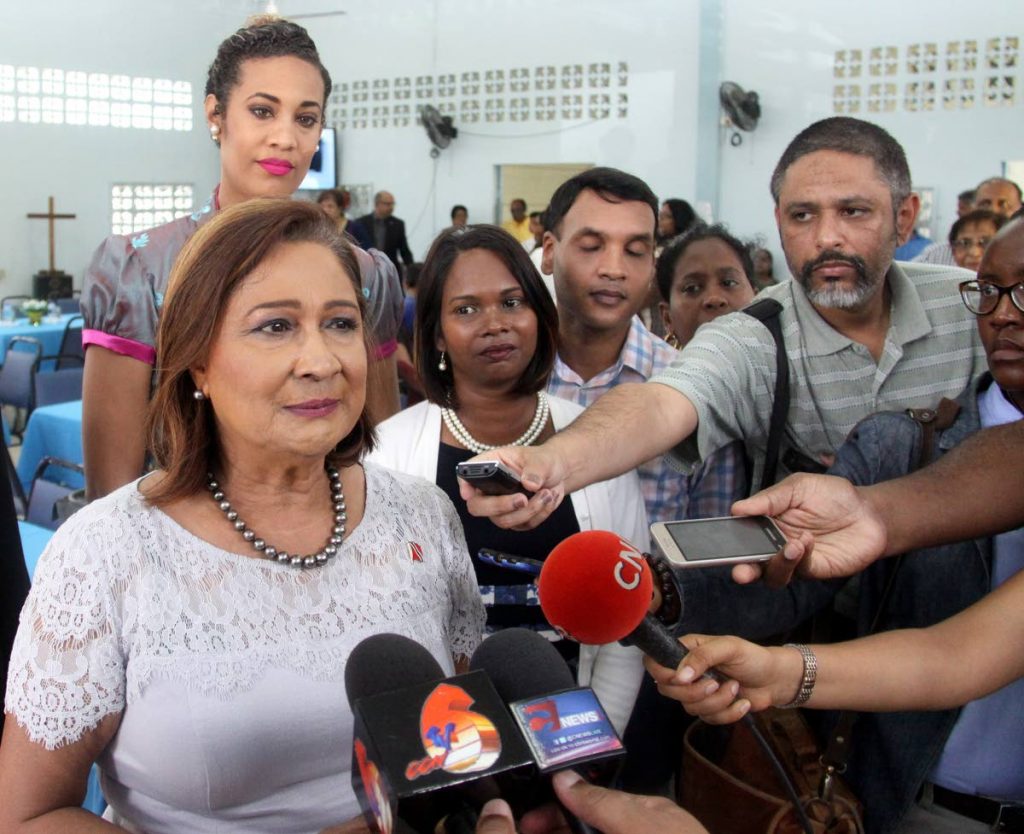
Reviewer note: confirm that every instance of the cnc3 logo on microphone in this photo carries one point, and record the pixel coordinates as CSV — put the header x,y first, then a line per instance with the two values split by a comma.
x,y
455,738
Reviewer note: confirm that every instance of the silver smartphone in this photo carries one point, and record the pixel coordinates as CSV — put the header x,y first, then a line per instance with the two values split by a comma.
x,y
706,542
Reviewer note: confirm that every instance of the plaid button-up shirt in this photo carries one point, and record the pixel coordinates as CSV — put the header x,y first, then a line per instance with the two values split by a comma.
x,y
668,494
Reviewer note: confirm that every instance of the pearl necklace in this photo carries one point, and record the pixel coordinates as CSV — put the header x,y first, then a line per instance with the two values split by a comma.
x,y
328,551
460,433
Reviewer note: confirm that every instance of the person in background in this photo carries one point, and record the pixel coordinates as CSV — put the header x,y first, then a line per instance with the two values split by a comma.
x,y
519,224
764,268
701,275
675,217
163,633
965,202
460,216
913,247
486,332
996,194
970,234
536,239
334,202
387,231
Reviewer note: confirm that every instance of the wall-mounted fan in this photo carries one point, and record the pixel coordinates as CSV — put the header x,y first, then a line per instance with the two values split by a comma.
x,y
742,109
440,129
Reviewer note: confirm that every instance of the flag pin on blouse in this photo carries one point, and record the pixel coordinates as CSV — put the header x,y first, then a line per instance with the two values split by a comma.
x,y
415,551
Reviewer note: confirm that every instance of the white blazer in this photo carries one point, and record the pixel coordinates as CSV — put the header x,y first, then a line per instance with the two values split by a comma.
x,y
408,442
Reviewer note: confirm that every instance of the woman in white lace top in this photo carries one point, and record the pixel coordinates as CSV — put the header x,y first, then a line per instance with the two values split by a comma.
x,y
189,632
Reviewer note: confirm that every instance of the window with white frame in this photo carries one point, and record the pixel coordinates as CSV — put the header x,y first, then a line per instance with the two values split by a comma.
x,y
54,96
138,207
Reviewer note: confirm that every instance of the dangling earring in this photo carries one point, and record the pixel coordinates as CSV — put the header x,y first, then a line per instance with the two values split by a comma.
x,y
442,366
215,133
198,395
670,337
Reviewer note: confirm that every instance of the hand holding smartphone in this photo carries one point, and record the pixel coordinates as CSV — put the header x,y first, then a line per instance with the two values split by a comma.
x,y
491,477
707,542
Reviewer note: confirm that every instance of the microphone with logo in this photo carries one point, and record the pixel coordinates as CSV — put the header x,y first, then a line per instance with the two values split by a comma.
x,y
426,747
596,587
564,725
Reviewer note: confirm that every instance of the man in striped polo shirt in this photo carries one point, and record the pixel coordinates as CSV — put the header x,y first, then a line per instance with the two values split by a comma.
x,y
862,334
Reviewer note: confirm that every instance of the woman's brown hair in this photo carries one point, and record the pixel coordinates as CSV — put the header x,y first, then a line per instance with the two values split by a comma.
x,y
219,256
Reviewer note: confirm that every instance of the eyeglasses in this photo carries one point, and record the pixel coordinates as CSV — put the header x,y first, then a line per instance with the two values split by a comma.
x,y
969,243
982,297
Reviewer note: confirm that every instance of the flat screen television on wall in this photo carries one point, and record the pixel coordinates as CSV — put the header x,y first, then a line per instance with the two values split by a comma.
x,y
323,171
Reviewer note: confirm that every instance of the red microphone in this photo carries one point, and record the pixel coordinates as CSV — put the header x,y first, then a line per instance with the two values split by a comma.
x,y
596,588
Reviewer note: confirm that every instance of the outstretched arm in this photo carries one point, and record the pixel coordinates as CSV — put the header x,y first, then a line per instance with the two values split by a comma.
x,y
950,500
958,660
627,426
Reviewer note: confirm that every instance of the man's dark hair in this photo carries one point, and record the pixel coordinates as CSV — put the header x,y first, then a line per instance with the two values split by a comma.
x,y
518,200
676,248
458,207
439,385
967,196
536,215
976,216
853,136
609,184
1020,195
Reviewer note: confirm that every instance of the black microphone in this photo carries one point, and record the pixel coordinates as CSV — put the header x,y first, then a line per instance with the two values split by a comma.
x,y
564,725
426,747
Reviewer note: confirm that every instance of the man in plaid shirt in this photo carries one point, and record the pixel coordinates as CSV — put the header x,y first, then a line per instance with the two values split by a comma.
x,y
600,249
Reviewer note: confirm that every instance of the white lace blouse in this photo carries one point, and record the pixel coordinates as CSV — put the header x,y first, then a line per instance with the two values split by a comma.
x,y
228,671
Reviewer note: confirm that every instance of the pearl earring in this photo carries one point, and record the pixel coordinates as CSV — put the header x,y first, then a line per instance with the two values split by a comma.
x,y
442,365
198,395
215,132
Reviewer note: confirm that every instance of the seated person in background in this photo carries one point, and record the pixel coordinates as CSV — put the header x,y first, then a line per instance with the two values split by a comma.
x,y
976,751
164,638
486,333
970,234
702,275
334,202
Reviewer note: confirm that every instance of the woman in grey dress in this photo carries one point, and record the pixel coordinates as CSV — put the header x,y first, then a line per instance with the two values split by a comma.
x,y
266,91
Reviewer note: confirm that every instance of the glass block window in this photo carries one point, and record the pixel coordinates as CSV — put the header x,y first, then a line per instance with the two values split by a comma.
x,y
135,207
54,96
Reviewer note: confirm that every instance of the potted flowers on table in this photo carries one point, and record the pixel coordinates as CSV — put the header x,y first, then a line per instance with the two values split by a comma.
x,y
35,309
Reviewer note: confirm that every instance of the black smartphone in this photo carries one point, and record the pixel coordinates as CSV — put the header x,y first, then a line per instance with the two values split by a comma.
x,y
718,541
491,477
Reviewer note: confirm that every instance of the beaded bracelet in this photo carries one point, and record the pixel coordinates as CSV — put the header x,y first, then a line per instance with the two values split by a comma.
x,y
670,612
809,678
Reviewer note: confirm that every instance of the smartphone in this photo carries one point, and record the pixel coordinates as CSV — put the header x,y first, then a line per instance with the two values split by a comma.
x,y
508,560
491,477
718,541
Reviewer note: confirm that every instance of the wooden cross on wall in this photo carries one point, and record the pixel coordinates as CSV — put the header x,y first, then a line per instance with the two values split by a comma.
x,y
51,216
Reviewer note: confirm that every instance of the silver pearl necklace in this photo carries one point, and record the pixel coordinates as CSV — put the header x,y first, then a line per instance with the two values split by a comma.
x,y
327,552
460,433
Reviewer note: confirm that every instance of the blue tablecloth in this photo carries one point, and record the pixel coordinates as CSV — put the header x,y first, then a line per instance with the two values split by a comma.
x,y
54,430
49,333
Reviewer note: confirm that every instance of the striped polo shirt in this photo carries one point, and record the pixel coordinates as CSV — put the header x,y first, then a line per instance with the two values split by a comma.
x,y
727,371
